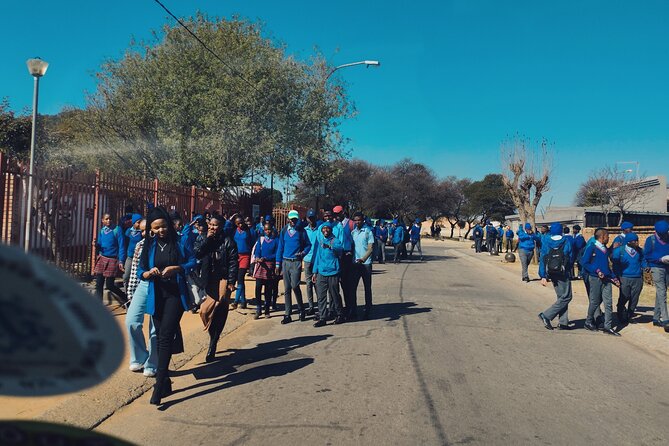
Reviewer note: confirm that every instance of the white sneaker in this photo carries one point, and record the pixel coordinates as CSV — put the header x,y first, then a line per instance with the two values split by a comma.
x,y
150,373
136,367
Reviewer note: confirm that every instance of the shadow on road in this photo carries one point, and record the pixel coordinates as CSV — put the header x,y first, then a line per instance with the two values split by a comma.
x,y
393,311
223,373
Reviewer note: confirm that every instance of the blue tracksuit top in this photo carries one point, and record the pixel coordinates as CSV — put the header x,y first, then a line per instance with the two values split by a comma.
x,y
478,232
509,234
653,250
414,233
326,256
500,232
313,235
266,248
550,243
134,236
526,241
111,242
398,235
290,245
382,233
244,240
595,259
627,262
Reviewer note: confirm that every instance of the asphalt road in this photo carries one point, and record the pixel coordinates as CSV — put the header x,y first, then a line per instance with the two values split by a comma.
x,y
455,354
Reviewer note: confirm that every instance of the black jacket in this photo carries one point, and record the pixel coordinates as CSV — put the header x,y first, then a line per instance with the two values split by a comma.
x,y
218,260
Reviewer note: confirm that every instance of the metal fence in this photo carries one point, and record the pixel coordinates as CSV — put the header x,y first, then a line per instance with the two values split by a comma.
x,y
68,205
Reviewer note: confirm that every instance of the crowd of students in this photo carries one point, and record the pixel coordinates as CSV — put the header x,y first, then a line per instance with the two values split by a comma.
x,y
170,266
565,256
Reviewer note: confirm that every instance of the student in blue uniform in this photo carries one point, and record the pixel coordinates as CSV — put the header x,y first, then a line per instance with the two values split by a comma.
x,y
478,237
293,246
381,237
509,239
414,238
526,245
109,263
265,269
626,228
132,236
553,265
326,260
656,254
363,247
398,240
601,278
628,266
312,231
579,246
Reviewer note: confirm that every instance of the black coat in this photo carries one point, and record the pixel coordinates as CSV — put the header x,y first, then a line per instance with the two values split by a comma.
x,y
218,260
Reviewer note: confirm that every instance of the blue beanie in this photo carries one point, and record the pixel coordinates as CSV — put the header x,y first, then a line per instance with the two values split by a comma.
x,y
327,224
626,225
556,229
395,221
418,220
631,237
662,227
528,226
135,218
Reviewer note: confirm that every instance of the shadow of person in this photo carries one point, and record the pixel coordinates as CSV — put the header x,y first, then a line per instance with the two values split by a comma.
x,y
392,311
225,371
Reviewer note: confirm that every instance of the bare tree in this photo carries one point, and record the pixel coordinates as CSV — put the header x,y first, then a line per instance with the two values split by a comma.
x,y
526,173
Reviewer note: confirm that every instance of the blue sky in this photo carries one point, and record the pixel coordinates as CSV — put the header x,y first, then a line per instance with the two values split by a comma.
x,y
457,77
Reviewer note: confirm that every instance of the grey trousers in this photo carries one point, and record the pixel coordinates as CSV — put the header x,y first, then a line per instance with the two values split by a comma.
x,y
562,287
310,285
525,259
600,291
292,271
380,251
630,289
325,285
661,280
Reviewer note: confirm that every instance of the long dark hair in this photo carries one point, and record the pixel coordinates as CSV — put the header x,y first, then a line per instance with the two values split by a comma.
x,y
156,213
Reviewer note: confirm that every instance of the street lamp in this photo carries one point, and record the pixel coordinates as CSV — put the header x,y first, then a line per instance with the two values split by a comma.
x,y
367,63
635,163
37,68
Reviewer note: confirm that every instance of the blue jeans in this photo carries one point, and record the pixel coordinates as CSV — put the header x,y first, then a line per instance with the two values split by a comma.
x,y
134,321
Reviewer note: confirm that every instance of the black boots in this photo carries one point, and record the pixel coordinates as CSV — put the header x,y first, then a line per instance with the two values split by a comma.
x,y
161,389
213,342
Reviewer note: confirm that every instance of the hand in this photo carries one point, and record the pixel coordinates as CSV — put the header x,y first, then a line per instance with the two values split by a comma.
x,y
231,286
277,270
600,275
211,233
169,271
153,272
313,278
616,282
647,269
358,261
616,244
544,282
121,267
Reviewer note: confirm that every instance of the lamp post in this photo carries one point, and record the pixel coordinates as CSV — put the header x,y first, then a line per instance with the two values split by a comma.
x,y
37,68
368,63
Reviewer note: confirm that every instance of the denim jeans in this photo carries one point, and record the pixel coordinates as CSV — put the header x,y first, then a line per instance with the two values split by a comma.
x,y
240,294
134,321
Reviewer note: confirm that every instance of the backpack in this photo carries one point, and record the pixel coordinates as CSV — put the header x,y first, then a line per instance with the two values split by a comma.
x,y
555,260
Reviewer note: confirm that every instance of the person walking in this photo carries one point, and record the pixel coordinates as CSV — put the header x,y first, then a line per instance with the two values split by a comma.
x,y
526,246
491,238
554,265
164,264
132,236
656,254
217,253
363,246
509,239
111,257
141,358
478,237
245,240
381,238
327,252
293,246
500,238
578,245
398,240
265,269
414,238
628,266
601,278
312,231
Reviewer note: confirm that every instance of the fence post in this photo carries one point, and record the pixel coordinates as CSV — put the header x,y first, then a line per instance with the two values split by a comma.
x,y
155,192
3,186
193,192
96,206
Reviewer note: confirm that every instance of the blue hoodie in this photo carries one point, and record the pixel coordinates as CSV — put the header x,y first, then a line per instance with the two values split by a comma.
x,y
627,262
653,250
398,235
478,232
326,253
526,241
414,232
551,243
313,236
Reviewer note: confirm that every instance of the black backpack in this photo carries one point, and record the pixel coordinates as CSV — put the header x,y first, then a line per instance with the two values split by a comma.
x,y
556,261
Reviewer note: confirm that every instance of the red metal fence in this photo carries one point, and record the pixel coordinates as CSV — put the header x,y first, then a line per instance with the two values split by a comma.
x,y
68,205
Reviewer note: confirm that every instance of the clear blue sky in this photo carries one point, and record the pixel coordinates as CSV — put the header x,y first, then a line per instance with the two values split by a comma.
x,y
456,76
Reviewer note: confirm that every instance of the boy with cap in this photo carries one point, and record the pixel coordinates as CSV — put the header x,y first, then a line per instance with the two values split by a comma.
x,y
628,266
626,228
554,265
526,245
601,278
293,246
656,254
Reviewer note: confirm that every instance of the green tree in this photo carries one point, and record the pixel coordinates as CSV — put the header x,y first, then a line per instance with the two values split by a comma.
x,y
14,132
488,199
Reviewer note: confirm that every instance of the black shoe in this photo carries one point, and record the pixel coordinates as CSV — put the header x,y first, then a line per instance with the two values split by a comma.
x,y
610,331
243,306
546,322
303,316
589,326
526,279
656,323
339,320
167,388
319,324
366,315
267,315
286,320
257,315
563,327
156,395
311,312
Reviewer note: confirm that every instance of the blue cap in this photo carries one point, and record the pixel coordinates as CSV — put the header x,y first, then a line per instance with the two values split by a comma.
x,y
395,221
418,220
136,218
528,226
327,224
631,237
268,217
626,225
311,213
662,227
556,229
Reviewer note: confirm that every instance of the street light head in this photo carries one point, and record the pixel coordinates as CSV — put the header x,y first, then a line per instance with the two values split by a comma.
x,y
37,67
372,63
